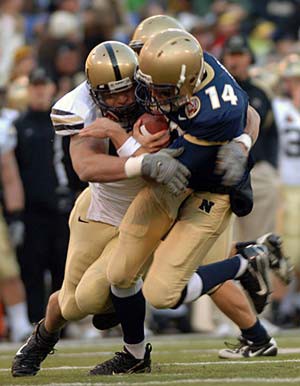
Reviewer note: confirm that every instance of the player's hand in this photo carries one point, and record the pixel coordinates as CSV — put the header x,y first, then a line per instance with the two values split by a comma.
x,y
101,128
164,169
16,228
231,162
152,142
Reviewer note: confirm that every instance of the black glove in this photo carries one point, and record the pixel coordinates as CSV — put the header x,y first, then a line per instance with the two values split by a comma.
x,y
166,170
16,228
231,162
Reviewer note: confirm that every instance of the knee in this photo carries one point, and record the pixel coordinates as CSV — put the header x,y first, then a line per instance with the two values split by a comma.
x,y
53,301
160,295
70,310
121,279
91,298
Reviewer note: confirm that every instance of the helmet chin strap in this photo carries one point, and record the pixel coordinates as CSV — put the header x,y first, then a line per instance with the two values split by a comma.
x,y
110,115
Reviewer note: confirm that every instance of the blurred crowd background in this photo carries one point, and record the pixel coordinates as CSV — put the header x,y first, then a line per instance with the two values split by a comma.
x,y
43,47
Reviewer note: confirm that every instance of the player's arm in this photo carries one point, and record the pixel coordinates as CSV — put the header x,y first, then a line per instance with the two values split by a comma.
x,y
232,157
126,143
92,164
252,126
11,182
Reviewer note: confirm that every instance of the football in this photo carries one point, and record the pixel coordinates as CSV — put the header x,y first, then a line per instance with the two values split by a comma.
x,y
151,124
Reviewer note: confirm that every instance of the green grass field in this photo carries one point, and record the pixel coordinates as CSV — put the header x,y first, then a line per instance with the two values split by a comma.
x,y
177,360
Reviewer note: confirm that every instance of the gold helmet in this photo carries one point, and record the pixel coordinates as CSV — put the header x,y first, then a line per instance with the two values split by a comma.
x,y
171,65
151,26
110,69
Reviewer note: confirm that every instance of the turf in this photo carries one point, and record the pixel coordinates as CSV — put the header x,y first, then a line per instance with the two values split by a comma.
x,y
177,360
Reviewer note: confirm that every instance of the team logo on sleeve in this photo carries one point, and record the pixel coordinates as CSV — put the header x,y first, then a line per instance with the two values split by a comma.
x,y
192,108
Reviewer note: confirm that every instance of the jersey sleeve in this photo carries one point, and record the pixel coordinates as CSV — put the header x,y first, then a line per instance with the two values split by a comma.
x,y
65,122
73,111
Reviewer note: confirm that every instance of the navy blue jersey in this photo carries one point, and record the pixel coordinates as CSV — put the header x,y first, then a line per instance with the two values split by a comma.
x,y
216,114
218,111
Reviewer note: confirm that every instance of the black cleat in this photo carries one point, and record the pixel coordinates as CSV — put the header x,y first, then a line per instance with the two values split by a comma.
x,y
279,263
246,349
29,357
105,321
124,363
256,279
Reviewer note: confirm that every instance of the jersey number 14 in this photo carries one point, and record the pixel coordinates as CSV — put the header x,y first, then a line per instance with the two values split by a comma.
x,y
228,95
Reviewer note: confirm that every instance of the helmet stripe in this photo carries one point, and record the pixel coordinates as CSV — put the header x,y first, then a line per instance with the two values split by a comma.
x,y
114,61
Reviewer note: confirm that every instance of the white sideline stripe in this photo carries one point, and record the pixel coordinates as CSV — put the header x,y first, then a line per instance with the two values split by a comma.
x,y
180,381
283,351
242,362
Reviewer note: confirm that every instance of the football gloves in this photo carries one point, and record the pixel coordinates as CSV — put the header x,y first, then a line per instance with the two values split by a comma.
x,y
231,162
166,170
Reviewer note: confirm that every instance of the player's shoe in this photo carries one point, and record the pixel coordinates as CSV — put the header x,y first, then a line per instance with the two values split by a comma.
x,y
279,263
29,357
105,321
246,349
256,279
124,363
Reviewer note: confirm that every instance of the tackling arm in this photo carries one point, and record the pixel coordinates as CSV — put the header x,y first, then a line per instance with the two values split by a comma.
x,y
90,162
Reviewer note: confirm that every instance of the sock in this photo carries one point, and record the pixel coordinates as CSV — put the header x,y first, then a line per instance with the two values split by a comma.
x,y
208,276
256,334
194,288
18,321
131,312
48,337
137,350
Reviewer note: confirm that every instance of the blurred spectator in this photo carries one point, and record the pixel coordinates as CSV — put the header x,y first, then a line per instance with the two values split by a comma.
x,y
237,57
67,71
12,292
228,25
17,94
48,197
203,32
24,62
286,110
285,14
11,35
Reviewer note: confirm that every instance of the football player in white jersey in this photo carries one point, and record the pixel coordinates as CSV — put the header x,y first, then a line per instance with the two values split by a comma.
x,y
287,115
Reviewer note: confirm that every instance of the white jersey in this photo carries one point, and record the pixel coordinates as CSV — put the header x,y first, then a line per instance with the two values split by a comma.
x,y
109,200
8,136
287,118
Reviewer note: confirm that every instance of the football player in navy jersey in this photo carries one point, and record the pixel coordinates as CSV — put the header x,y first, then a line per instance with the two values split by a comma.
x,y
177,86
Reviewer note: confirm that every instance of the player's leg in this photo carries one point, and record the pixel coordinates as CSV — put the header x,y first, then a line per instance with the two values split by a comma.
x,y
178,256
147,220
254,340
202,219
232,301
87,241
12,289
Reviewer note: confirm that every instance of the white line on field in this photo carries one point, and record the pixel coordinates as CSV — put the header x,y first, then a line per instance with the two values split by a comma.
x,y
180,381
240,362
283,351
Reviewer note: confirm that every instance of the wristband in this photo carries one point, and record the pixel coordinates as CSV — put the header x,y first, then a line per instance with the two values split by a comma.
x,y
133,166
245,139
129,147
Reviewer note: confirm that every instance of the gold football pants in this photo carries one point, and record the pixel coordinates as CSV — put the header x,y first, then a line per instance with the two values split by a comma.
x,y
201,220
